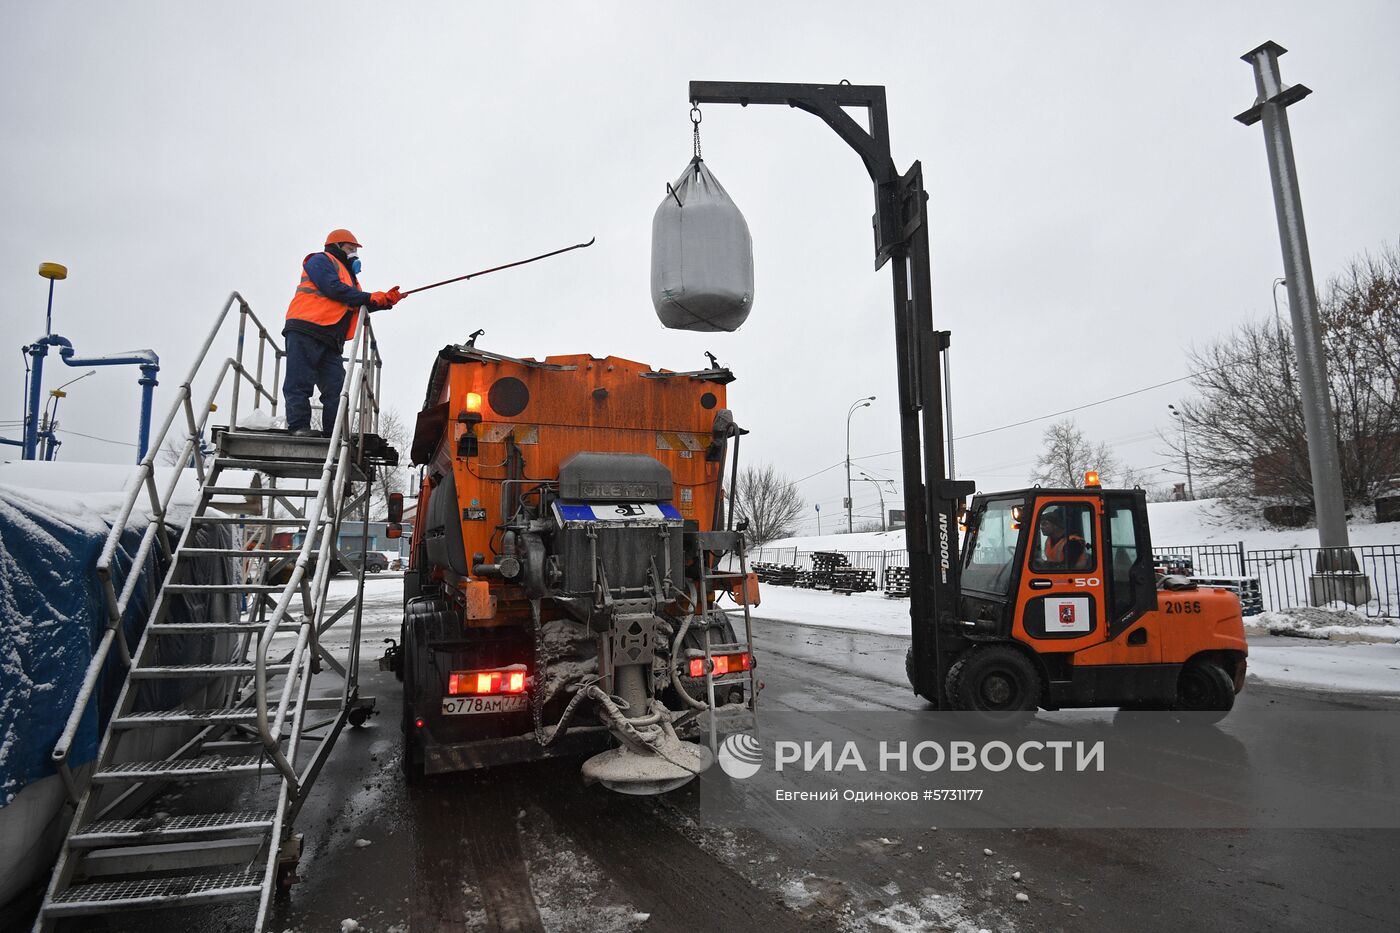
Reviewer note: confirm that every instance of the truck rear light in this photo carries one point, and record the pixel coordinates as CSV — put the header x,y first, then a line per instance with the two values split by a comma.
x,y
484,683
724,664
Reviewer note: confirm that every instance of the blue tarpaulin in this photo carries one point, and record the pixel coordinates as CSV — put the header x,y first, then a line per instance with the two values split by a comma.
x,y
52,616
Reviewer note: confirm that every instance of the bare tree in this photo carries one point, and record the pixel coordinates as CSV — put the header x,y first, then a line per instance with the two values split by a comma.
x,y
1246,429
1363,307
1068,455
768,501
390,479
170,454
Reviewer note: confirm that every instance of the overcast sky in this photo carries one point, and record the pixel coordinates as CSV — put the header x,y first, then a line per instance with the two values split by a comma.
x,y
1095,209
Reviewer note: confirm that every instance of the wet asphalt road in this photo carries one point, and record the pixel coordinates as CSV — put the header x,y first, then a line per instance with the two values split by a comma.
x,y
531,848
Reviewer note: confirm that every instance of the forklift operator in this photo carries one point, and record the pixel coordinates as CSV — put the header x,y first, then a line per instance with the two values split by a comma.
x,y
1061,551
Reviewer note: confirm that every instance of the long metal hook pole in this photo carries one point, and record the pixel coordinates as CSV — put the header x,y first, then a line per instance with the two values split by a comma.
x,y
509,265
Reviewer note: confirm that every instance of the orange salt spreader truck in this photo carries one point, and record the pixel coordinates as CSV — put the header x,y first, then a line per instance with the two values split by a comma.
x,y
569,551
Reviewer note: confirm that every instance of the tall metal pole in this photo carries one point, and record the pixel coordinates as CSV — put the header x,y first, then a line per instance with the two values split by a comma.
x,y
1323,460
1186,452
858,403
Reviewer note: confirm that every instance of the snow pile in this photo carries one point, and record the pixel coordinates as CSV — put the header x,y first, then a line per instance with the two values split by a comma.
x,y
571,890
1337,622
260,420
931,912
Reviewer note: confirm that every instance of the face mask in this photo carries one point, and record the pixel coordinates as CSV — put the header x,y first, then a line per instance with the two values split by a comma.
x,y
354,265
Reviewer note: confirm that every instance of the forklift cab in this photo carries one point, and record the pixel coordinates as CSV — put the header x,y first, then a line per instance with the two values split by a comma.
x,y
1058,569
1058,607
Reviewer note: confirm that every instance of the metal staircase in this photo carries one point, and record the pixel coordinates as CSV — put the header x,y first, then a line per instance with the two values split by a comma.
x,y
220,687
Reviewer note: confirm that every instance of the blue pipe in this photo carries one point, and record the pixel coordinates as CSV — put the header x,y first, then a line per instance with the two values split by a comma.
x,y
146,359
37,351
148,384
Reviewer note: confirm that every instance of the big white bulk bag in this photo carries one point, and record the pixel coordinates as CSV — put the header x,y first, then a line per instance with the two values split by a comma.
x,y
701,256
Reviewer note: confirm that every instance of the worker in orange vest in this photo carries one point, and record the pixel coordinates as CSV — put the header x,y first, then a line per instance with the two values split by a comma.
x,y
322,316
1062,551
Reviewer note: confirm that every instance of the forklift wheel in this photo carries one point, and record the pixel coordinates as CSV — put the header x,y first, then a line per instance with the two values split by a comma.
x,y
998,680
1205,688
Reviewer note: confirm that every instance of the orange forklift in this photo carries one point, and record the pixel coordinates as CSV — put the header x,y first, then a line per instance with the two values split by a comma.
x,y
1037,614
1059,606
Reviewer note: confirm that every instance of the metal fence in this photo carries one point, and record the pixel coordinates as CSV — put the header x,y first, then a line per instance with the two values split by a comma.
x,y
1210,560
1285,576
1283,573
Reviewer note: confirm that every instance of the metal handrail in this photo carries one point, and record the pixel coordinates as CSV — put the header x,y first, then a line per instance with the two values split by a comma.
x,y
331,490
156,531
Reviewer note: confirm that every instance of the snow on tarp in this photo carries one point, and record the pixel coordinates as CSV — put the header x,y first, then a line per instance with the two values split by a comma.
x,y
54,521
52,614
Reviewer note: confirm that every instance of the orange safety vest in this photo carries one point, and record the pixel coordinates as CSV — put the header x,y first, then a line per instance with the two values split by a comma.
x,y
1055,550
308,304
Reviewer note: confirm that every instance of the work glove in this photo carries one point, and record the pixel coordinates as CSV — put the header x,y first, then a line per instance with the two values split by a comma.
x,y
380,300
393,296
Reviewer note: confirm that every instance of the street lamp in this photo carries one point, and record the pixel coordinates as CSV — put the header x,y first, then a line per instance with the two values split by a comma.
x,y
1185,449
858,403
866,477
50,422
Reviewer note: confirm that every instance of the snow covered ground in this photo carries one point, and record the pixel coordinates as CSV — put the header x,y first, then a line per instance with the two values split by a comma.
x,y
1336,666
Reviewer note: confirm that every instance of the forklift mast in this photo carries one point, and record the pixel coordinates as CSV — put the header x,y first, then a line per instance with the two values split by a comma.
x,y
931,499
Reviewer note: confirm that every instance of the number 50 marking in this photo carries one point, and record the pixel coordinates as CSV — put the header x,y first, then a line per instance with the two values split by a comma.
x,y
1087,581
